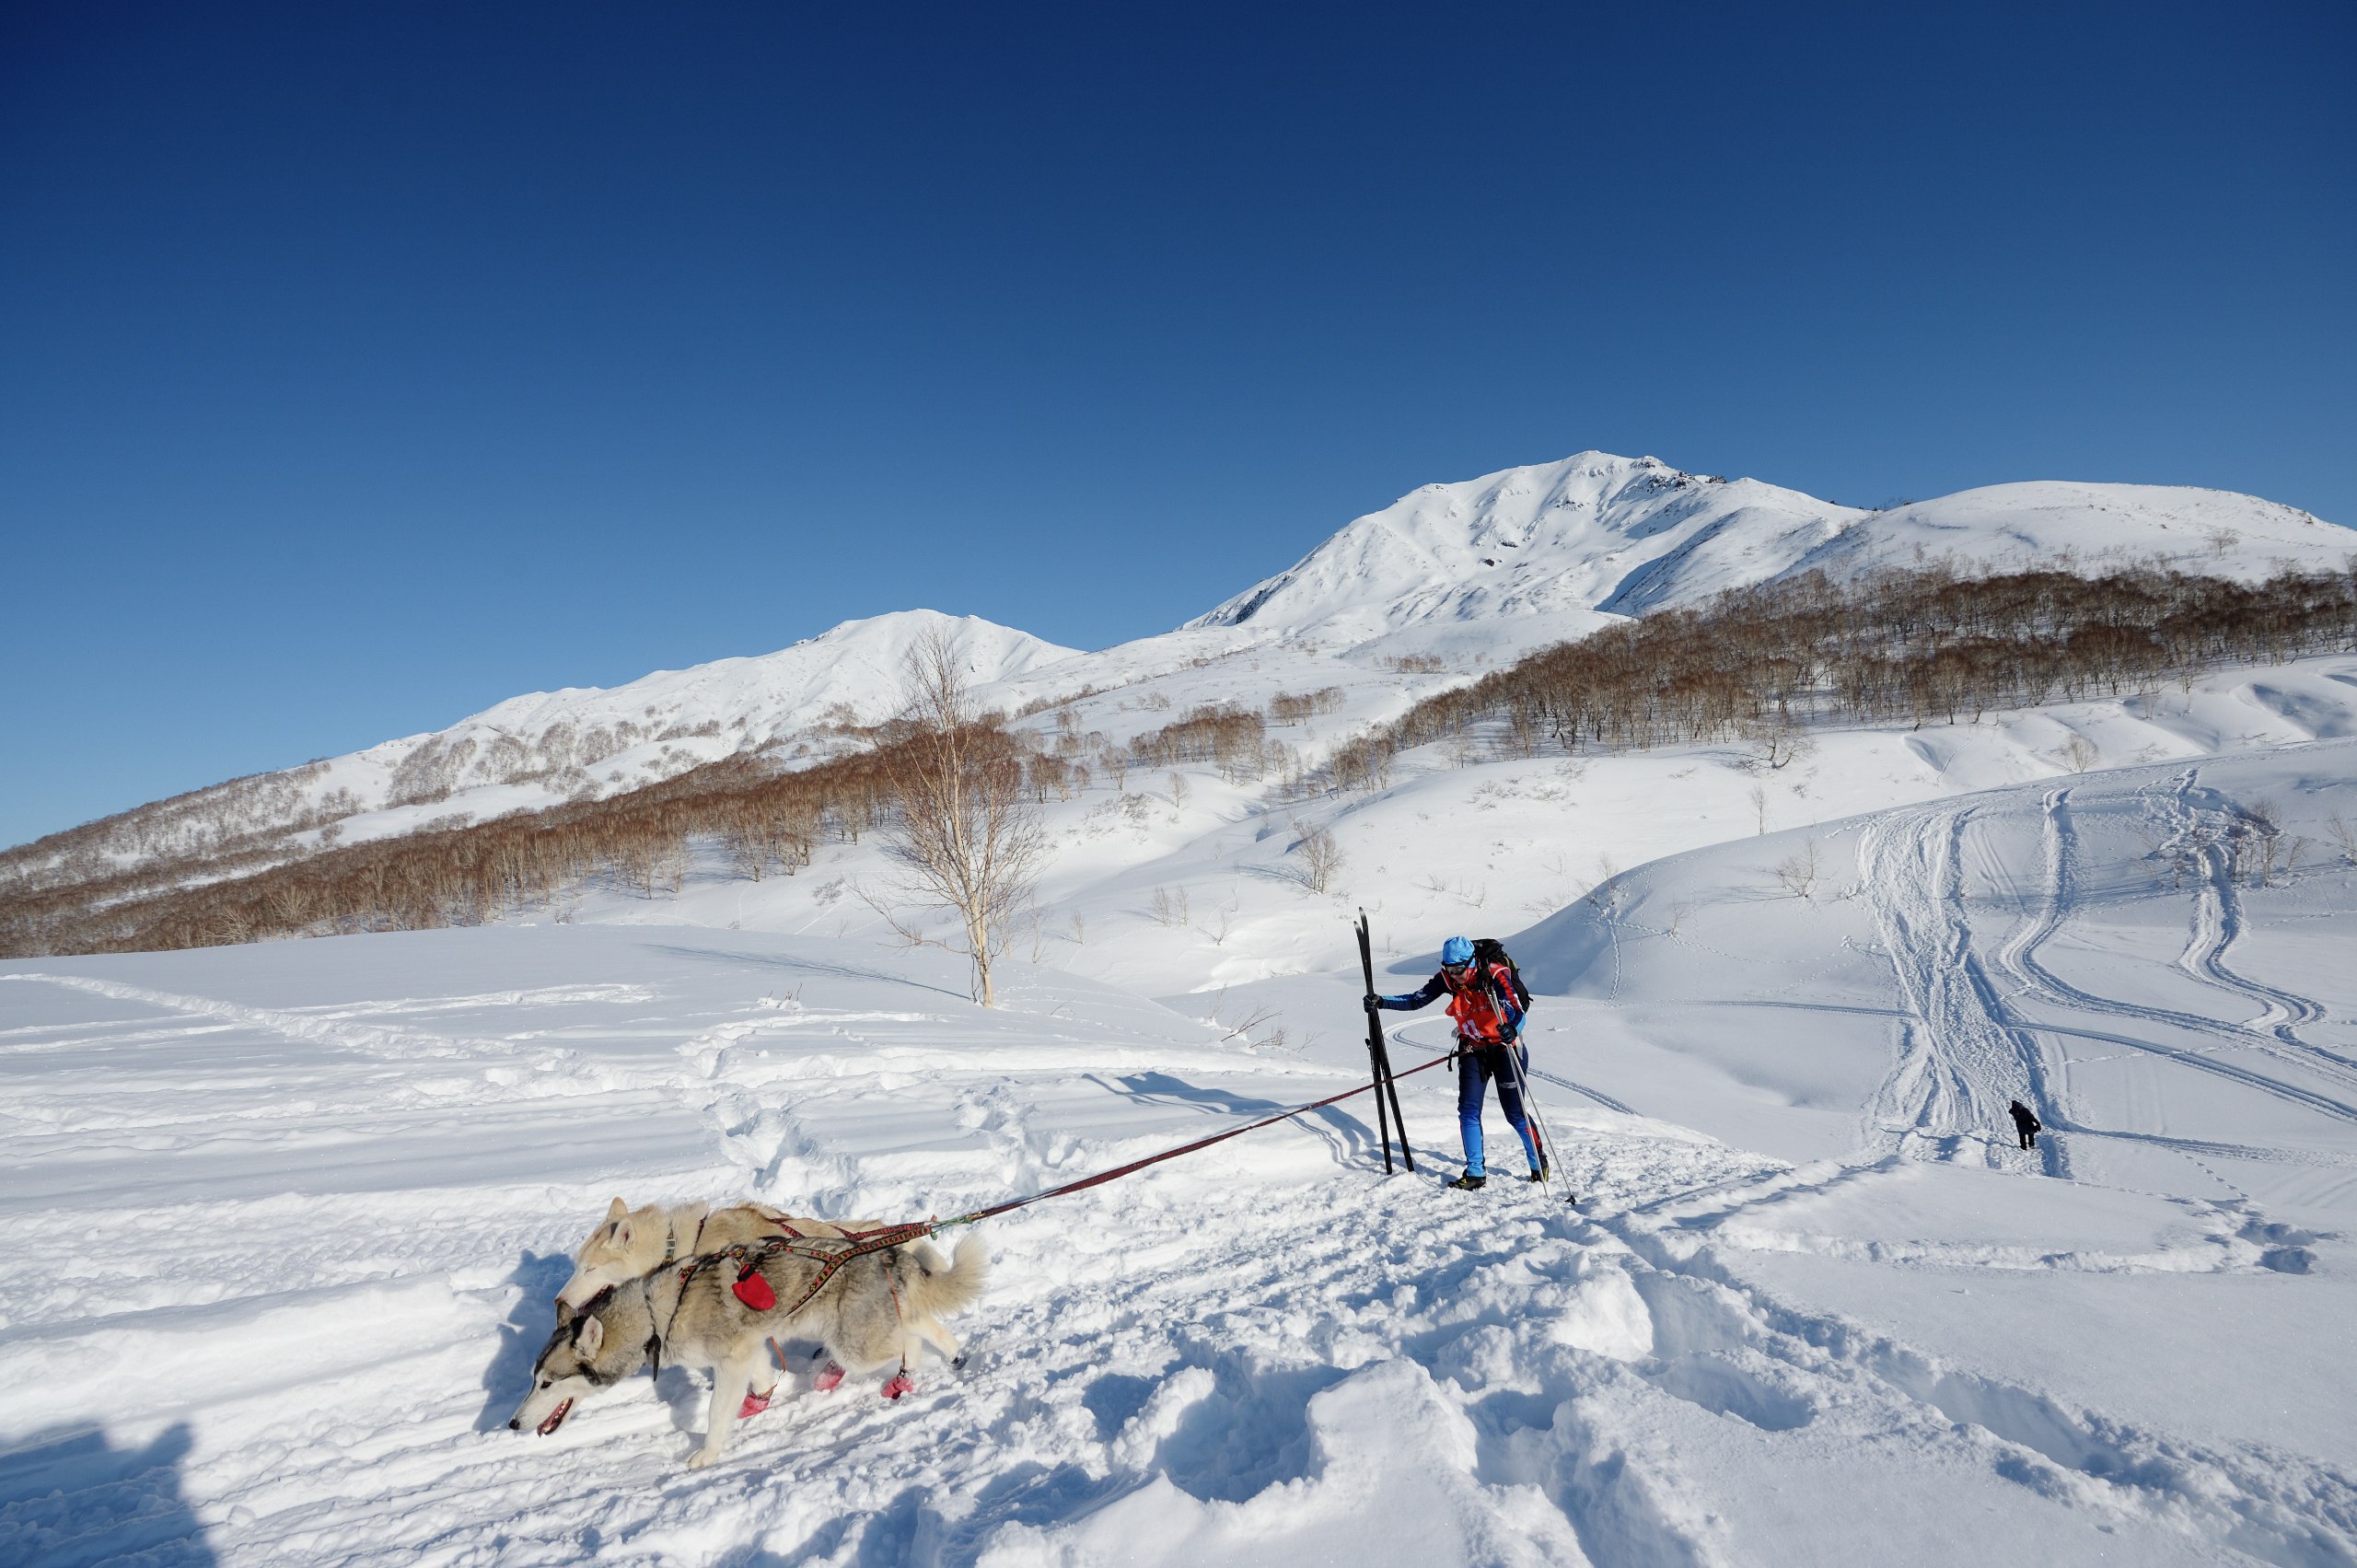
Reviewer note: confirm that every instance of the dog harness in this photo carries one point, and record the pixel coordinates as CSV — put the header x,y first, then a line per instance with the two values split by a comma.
x,y
830,1253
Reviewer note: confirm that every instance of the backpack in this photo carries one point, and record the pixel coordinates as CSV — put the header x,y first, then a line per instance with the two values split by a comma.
x,y
1489,950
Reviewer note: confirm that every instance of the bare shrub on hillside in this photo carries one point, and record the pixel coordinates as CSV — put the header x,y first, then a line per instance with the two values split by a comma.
x,y
1287,707
1061,699
967,831
1321,857
1231,739
1781,738
1364,762
1797,873
2343,833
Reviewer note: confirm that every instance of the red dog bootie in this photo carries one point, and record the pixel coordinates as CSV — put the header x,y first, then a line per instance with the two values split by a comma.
x,y
898,1384
755,1403
828,1380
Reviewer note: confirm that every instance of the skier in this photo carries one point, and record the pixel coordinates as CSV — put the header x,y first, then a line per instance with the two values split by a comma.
x,y
2025,1124
1489,1024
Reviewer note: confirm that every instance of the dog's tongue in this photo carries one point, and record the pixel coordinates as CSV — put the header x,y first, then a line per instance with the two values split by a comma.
x,y
557,1418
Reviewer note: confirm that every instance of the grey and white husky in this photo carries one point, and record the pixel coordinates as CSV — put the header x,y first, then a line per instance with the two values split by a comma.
x,y
630,1242
877,1309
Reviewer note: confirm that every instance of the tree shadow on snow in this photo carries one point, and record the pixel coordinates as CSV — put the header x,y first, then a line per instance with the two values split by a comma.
x,y
530,1323
806,965
70,1498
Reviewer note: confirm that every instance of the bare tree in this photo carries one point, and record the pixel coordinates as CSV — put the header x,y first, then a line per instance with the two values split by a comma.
x,y
2345,833
968,831
1780,738
1321,857
1798,873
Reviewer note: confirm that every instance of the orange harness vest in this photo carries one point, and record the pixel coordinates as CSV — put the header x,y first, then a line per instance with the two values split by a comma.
x,y
1474,1004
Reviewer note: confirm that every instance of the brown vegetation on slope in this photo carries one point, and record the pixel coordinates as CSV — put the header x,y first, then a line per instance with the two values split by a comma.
x,y
1915,647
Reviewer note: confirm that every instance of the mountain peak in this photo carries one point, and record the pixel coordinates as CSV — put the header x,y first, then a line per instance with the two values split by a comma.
x,y
1546,551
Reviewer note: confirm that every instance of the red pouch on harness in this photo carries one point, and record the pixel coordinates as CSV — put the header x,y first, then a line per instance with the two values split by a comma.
x,y
754,1291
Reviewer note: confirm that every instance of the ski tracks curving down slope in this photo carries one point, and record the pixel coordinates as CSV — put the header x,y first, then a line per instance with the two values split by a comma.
x,y
2203,822
1963,1056
2216,921
1966,1047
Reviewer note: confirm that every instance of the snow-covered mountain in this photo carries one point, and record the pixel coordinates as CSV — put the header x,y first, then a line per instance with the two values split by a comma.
x,y
544,748
594,740
1533,555
1473,572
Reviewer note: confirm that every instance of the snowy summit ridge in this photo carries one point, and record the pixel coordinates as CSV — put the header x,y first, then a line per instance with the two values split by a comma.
x,y
1554,550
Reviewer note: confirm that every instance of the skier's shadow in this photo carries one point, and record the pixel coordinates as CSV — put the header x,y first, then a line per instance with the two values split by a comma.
x,y
530,1323
71,1497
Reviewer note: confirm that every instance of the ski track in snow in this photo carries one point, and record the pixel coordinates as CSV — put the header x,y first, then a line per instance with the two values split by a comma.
x,y
1964,1048
1963,1054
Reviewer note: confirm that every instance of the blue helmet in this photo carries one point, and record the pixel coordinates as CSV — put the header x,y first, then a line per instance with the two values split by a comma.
x,y
1456,950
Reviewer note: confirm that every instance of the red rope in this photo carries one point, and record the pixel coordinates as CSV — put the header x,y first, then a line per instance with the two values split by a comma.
x,y
1102,1177
830,1253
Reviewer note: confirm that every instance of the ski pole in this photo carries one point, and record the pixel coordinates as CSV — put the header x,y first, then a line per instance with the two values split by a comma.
x,y
1545,1136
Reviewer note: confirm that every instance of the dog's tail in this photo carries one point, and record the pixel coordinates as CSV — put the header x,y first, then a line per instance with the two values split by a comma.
x,y
934,1291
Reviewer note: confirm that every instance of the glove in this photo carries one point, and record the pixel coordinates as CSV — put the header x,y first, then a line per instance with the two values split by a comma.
x,y
1373,1006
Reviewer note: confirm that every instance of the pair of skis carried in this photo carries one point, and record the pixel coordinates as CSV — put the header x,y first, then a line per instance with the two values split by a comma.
x,y
1387,1092
1379,1056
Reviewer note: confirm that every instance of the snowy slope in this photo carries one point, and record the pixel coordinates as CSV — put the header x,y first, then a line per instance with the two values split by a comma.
x,y
288,1218
2093,528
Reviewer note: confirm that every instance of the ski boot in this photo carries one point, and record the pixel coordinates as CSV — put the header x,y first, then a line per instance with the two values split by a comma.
x,y
1469,1183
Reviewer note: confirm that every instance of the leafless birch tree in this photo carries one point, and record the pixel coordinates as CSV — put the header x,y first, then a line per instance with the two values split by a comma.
x,y
968,832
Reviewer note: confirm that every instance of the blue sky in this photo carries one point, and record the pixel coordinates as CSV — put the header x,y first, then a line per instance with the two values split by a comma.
x,y
363,364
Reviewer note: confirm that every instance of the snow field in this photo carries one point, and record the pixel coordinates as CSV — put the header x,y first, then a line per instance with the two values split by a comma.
x,y
288,1217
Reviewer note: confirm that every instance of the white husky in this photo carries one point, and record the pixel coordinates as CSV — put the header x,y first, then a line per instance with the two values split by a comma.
x,y
875,1308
